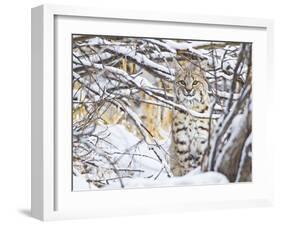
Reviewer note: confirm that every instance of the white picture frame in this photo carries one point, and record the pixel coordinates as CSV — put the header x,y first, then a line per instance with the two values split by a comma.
x,y
52,198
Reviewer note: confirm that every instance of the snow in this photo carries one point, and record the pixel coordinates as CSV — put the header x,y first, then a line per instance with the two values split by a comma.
x,y
199,44
167,73
80,183
130,159
162,44
191,179
185,46
122,145
143,60
244,155
97,41
238,122
161,55
140,157
100,57
227,95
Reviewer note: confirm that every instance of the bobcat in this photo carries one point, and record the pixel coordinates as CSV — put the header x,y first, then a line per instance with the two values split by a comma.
x,y
189,133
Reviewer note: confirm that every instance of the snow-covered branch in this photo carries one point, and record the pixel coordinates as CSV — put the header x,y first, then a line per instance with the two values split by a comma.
x,y
123,103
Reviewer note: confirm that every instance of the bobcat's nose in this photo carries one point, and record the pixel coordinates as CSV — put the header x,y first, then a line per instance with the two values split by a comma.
x,y
187,91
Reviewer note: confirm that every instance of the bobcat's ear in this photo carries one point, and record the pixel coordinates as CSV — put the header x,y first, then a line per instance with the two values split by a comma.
x,y
204,64
183,66
178,66
199,64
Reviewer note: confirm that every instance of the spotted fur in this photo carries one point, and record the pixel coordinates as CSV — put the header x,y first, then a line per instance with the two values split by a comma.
x,y
189,133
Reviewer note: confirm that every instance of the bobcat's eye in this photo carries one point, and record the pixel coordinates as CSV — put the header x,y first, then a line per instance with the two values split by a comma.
x,y
195,82
181,82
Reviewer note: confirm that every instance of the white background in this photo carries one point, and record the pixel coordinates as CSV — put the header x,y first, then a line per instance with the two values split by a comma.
x,y
15,113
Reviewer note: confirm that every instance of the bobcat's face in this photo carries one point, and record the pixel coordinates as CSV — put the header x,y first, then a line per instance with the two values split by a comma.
x,y
191,87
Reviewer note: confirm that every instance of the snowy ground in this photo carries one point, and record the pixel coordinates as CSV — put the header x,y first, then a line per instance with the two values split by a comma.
x,y
193,178
136,162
